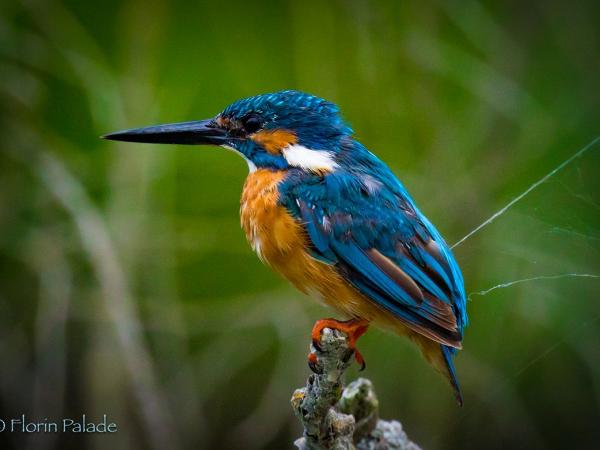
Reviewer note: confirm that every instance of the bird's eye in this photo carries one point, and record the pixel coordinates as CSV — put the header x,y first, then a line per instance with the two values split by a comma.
x,y
251,124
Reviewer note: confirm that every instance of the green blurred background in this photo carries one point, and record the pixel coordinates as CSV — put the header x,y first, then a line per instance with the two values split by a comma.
x,y
126,284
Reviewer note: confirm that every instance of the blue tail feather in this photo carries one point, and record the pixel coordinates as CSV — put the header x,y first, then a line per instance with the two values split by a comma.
x,y
448,353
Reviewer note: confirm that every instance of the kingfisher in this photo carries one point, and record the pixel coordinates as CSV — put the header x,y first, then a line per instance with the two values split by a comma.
x,y
326,213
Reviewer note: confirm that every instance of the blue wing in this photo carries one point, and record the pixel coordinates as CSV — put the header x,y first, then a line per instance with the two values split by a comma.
x,y
367,226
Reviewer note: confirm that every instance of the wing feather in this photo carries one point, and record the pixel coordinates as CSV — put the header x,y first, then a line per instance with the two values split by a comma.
x,y
408,277
389,252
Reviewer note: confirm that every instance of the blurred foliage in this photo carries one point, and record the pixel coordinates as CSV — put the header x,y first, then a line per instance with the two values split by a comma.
x,y
127,287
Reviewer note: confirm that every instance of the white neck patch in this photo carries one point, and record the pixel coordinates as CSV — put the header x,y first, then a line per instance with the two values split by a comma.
x,y
314,160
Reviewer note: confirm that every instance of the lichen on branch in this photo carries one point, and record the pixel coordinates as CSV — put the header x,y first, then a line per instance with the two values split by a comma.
x,y
338,418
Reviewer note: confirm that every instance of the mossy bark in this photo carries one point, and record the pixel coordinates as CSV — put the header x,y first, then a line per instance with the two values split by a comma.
x,y
335,417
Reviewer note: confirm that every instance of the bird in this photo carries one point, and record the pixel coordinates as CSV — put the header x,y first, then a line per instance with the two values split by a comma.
x,y
325,212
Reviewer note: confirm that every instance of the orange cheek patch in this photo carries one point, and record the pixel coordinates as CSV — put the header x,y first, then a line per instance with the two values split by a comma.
x,y
223,122
274,141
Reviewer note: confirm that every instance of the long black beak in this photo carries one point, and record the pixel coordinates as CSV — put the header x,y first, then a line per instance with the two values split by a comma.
x,y
199,132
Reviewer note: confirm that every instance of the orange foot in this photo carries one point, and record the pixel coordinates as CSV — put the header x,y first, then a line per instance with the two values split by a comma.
x,y
354,328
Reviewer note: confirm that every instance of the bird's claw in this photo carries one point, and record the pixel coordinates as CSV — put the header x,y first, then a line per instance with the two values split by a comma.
x,y
353,328
313,364
360,360
316,343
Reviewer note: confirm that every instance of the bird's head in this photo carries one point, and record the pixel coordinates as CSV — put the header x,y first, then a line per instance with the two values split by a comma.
x,y
276,131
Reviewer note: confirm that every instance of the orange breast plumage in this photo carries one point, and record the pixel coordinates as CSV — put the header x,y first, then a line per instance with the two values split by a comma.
x,y
269,229
279,239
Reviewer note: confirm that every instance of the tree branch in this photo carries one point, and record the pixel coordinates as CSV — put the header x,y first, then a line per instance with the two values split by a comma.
x,y
338,418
